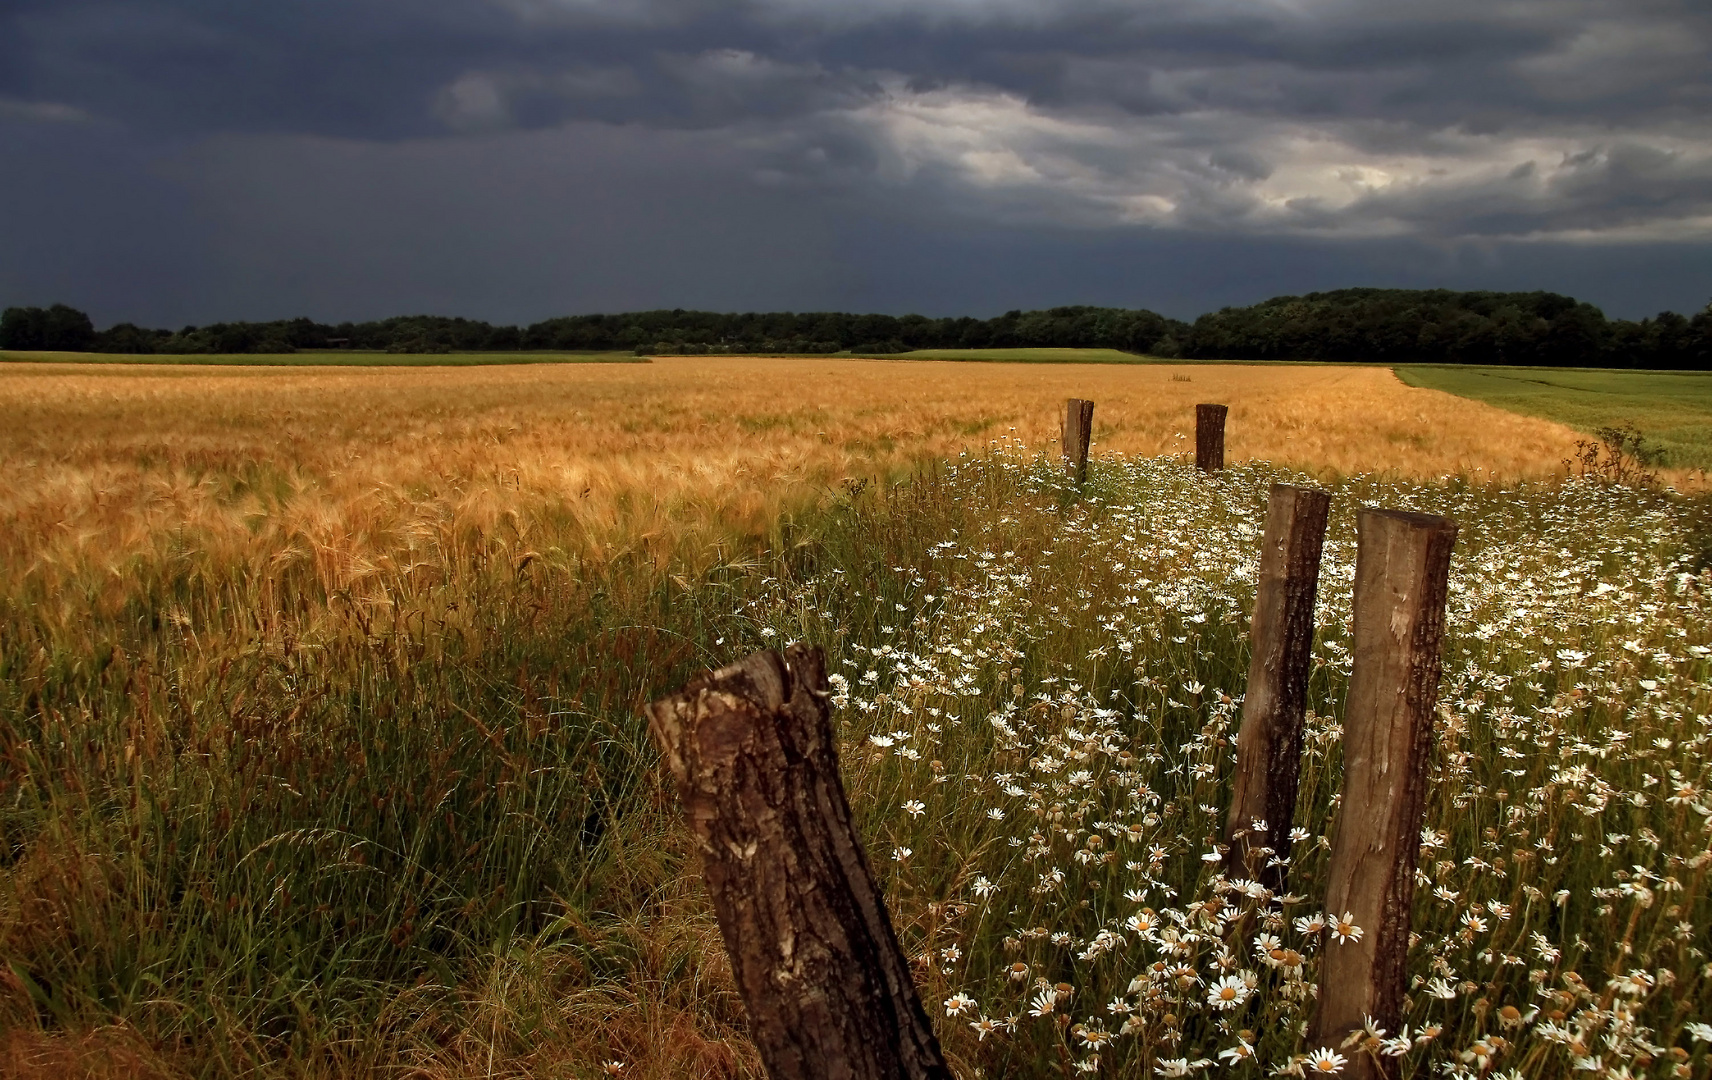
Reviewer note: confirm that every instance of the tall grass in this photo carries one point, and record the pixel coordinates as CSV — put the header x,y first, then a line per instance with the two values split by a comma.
x,y
254,844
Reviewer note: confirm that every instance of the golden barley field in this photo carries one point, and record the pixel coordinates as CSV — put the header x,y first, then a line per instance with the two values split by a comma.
x,y
318,687
354,463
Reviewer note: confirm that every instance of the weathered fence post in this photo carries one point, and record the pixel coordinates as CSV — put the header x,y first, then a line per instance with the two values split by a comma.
x,y
1269,745
816,961
1078,434
1402,572
1210,437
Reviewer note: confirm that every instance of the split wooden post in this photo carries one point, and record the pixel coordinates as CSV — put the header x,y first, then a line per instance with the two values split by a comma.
x,y
1402,573
816,961
1078,435
1210,437
1269,744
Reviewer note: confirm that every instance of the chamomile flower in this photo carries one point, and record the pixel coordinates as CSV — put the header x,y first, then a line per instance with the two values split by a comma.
x,y
1228,993
1325,1062
1344,929
1242,1052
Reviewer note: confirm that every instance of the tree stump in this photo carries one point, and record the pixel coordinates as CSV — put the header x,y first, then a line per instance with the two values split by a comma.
x,y
1269,744
1210,437
1402,574
1078,436
827,988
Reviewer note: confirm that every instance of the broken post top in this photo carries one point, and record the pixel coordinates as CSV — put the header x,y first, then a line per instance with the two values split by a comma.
x,y
763,679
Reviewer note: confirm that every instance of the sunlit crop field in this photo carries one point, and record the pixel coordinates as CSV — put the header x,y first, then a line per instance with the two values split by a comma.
x,y
102,463
319,699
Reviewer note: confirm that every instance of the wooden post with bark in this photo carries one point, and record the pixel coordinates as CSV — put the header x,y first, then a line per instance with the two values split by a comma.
x,y
1078,435
815,958
1210,437
1281,634
1402,573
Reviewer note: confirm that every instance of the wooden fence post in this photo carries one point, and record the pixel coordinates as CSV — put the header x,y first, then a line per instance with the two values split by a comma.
x,y
1269,745
1078,434
1210,437
1402,573
816,961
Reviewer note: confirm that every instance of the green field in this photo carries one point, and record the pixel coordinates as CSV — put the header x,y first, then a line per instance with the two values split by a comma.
x,y
1672,409
328,358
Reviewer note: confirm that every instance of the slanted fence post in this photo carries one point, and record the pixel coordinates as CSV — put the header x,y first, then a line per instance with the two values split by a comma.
x,y
1402,574
816,960
1269,744
1078,434
1210,437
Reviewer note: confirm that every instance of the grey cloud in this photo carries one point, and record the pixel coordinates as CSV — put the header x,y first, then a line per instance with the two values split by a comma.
x,y
524,97
708,89
1242,163
374,68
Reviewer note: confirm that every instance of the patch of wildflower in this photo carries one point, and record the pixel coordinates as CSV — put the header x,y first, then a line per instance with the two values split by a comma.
x,y
1039,715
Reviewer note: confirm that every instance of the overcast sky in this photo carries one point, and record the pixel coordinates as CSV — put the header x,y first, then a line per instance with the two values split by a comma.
x,y
177,161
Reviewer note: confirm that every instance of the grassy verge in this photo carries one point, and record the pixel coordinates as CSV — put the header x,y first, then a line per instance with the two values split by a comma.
x,y
329,358
257,823
1672,410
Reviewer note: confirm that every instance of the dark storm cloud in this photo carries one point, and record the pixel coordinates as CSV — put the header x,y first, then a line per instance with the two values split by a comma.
x,y
362,153
366,68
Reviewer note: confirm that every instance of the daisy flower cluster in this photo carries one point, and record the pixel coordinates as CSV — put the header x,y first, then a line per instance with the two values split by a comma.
x,y
1038,692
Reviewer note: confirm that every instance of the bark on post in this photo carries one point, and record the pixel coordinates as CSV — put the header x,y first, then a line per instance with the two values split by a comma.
x,y
817,963
1078,435
1210,437
1269,745
1402,572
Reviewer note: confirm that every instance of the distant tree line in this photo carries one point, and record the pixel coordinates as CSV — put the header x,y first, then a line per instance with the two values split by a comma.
x,y
667,332
1442,326
1368,325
